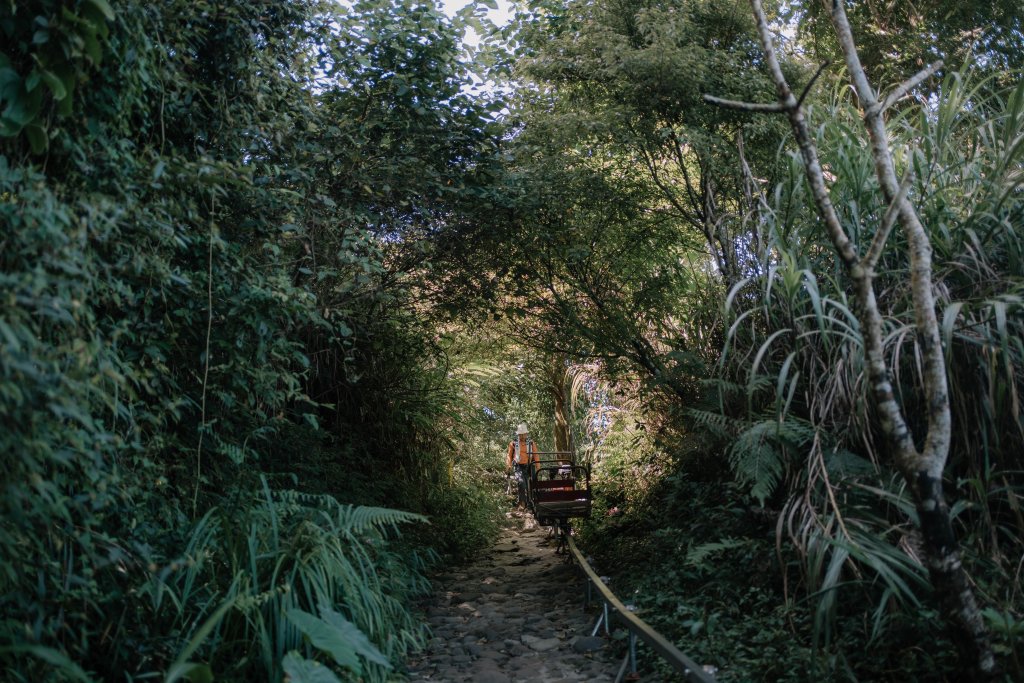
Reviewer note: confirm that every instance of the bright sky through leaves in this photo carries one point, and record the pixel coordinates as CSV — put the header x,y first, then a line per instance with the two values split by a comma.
x,y
499,16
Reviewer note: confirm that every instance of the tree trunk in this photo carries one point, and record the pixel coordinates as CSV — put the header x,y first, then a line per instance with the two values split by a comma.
x,y
556,385
952,587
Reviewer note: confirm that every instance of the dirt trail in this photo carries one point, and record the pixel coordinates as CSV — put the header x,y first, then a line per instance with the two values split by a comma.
x,y
513,616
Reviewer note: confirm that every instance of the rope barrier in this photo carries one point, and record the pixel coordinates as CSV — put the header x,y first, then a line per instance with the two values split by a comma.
x,y
638,628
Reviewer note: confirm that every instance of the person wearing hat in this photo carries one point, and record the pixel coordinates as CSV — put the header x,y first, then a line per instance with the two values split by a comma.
x,y
521,452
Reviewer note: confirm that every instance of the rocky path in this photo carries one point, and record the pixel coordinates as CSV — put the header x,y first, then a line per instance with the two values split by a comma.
x,y
514,616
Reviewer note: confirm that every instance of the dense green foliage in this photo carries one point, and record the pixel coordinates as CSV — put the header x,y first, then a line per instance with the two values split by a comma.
x,y
278,284
213,229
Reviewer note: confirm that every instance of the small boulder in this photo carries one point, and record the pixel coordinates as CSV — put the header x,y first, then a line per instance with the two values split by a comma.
x,y
544,644
584,644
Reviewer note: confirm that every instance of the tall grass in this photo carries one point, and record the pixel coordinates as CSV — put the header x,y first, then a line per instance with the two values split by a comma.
x,y
795,345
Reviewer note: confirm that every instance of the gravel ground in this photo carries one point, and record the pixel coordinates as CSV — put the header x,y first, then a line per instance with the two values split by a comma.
x,y
514,616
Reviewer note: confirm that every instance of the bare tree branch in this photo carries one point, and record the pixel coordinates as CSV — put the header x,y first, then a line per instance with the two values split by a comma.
x,y
923,470
847,251
764,108
695,217
680,159
908,85
888,220
936,448
810,83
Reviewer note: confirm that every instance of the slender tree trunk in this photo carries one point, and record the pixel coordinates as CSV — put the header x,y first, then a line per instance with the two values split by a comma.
x,y
556,385
949,579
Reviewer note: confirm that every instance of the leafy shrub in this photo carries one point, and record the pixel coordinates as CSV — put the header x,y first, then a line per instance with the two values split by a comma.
x,y
293,566
193,298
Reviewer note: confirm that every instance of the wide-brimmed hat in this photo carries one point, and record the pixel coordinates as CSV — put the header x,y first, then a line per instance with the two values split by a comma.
x,y
521,429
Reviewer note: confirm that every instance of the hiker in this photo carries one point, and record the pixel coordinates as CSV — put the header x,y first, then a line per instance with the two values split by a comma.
x,y
521,452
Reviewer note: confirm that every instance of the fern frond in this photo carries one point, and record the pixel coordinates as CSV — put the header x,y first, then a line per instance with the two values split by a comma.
x,y
697,556
758,454
714,422
755,460
360,519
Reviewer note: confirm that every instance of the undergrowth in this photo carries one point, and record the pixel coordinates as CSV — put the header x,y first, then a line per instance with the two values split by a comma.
x,y
705,566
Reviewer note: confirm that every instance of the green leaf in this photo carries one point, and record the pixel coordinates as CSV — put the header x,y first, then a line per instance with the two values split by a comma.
x,y
37,138
357,638
23,107
196,672
54,83
64,106
92,47
300,670
10,81
33,80
182,668
105,9
328,638
54,658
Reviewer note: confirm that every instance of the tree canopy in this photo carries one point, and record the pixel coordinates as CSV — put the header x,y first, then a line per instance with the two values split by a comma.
x,y
279,280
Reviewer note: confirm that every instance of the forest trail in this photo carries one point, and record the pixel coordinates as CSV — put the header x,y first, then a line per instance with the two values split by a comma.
x,y
513,616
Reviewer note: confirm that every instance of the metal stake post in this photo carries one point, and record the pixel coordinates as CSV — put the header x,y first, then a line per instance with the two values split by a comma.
x,y
632,653
602,619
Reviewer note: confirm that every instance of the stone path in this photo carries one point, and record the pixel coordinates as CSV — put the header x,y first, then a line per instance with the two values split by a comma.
x,y
514,616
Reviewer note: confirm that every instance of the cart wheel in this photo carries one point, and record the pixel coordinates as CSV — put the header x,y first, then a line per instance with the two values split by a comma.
x,y
563,529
